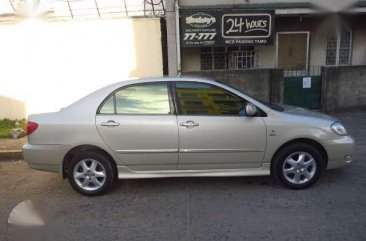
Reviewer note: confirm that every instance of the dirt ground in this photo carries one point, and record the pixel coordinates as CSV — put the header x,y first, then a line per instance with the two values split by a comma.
x,y
12,144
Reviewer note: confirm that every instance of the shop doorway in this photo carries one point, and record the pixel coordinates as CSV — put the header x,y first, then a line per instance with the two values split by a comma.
x,y
302,84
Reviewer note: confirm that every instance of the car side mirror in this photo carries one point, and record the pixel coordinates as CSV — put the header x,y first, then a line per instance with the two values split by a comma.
x,y
250,109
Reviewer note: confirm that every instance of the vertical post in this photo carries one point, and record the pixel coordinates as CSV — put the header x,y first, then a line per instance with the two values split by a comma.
x,y
152,6
338,35
96,5
177,33
171,38
162,4
68,4
307,51
144,7
127,10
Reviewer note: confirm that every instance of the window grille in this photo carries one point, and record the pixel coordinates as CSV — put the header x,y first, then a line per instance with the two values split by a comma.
x,y
241,60
228,58
338,50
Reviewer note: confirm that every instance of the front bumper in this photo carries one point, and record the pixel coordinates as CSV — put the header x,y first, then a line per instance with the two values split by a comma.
x,y
45,157
339,151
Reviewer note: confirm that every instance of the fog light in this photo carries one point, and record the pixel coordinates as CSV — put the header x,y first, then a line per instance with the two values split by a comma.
x,y
348,159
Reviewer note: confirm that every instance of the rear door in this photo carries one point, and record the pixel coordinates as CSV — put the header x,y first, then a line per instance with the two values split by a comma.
x,y
138,123
212,133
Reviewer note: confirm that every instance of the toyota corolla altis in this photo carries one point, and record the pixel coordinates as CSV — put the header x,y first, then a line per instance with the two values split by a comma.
x,y
183,127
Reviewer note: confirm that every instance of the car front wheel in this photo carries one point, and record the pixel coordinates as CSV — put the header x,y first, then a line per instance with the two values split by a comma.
x,y
91,173
298,166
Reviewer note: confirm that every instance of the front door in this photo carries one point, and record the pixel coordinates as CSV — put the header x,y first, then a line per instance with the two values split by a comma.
x,y
292,51
138,125
212,135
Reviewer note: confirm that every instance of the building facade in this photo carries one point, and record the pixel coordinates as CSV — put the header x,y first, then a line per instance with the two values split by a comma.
x,y
250,40
304,36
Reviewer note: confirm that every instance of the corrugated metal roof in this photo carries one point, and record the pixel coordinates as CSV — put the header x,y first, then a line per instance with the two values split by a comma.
x,y
274,5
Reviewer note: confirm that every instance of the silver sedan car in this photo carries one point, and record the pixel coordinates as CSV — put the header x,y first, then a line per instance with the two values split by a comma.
x,y
183,127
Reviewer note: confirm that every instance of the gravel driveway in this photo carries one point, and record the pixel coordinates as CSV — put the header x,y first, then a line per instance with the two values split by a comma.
x,y
244,208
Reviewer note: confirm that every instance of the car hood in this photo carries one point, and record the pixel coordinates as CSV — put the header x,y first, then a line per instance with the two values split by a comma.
x,y
305,112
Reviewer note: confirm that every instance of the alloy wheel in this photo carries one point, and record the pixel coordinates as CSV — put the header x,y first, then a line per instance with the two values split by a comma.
x,y
89,174
299,167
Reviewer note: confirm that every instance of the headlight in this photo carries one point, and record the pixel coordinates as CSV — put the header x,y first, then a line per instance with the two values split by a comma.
x,y
339,129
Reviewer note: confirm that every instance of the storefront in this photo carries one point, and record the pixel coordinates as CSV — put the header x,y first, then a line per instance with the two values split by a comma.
x,y
276,51
296,37
224,38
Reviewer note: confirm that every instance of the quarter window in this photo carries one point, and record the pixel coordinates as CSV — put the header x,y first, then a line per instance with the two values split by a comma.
x,y
108,106
205,99
139,99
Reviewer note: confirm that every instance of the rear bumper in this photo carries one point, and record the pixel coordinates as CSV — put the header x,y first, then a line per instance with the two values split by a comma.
x,y
45,157
339,151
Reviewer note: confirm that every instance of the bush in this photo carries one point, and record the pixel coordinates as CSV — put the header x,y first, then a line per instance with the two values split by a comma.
x,y
6,125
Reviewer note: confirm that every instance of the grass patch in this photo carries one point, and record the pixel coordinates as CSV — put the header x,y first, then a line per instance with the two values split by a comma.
x,y
6,125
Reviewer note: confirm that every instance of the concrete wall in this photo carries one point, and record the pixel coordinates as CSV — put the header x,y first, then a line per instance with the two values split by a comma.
x,y
11,108
267,56
343,88
264,84
49,65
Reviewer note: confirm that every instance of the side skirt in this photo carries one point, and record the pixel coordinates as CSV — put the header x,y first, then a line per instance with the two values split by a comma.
x,y
126,173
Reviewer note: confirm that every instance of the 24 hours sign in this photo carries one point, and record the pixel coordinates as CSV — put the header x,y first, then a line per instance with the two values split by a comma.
x,y
219,28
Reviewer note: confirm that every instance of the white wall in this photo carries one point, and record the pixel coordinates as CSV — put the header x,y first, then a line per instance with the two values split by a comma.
x,y
318,47
359,47
49,65
12,109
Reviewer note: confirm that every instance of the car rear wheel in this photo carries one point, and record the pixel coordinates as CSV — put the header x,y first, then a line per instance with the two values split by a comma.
x,y
298,166
91,173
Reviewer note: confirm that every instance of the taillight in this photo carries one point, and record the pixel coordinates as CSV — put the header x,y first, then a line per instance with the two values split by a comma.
x,y
31,127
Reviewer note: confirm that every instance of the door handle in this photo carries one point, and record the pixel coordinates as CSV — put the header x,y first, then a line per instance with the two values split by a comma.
x,y
189,124
110,123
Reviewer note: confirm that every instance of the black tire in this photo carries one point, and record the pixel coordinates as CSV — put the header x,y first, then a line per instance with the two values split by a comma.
x,y
105,167
295,150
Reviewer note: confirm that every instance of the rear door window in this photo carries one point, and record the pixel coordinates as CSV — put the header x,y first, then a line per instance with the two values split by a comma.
x,y
142,99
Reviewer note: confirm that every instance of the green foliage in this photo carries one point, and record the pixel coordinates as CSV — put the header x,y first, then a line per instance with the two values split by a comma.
x,y
6,125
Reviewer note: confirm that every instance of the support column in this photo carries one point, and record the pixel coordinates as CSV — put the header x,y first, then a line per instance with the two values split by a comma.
x,y
171,38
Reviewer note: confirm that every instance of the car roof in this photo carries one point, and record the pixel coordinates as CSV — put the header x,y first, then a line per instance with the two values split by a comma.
x,y
125,82
166,78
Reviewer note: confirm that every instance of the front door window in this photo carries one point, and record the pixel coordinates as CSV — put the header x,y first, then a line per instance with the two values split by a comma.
x,y
204,99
